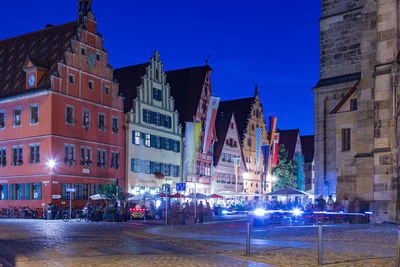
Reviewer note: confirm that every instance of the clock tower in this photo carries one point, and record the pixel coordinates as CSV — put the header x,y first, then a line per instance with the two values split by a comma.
x,y
34,69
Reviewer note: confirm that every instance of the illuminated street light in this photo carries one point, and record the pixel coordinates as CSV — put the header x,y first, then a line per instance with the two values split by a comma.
x,y
51,163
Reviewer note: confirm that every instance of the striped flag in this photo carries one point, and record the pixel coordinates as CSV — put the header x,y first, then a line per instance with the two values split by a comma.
x,y
275,150
272,126
258,145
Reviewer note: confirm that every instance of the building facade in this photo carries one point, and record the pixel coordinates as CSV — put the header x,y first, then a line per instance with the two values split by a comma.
x,y
356,105
307,144
60,116
191,88
153,137
249,117
227,150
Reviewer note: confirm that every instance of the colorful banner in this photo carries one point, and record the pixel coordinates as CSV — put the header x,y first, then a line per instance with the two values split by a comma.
x,y
212,111
236,164
189,150
265,152
272,127
258,145
275,150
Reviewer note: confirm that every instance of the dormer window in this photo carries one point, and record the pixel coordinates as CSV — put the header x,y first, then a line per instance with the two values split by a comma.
x,y
17,117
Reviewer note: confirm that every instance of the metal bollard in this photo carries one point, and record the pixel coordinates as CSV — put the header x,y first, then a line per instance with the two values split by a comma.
x,y
398,250
320,250
248,239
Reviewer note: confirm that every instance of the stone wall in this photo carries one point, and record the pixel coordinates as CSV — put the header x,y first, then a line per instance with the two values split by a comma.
x,y
340,27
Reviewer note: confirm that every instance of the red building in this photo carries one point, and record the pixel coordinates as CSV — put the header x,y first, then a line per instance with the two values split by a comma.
x,y
60,116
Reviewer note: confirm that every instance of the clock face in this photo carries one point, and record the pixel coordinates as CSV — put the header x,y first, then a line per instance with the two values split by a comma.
x,y
31,80
91,60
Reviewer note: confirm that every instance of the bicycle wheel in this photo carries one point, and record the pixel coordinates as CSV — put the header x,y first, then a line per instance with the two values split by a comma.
x,y
35,214
65,217
78,217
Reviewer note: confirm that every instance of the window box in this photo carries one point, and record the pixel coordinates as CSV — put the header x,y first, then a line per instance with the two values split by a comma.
x,y
19,163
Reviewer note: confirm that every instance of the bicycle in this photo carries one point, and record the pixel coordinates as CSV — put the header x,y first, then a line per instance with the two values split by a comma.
x,y
75,214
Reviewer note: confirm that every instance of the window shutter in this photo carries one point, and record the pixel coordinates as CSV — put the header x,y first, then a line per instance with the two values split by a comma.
x,y
179,146
132,165
162,118
63,191
162,168
11,192
5,191
177,171
27,191
171,144
152,117
133,137
143,165
39,188
21,191
152,167
153,140
144,114
162,139
92,192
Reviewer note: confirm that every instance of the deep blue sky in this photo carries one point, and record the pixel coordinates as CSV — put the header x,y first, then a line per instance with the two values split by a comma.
x,y
274,44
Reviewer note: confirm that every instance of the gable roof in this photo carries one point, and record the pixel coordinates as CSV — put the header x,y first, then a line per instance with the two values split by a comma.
x,y
44,48
186,87
289,139
242,108
307,145
129,78
222,123
344,99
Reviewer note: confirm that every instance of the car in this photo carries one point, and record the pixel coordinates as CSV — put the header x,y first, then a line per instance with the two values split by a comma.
x,y
138,212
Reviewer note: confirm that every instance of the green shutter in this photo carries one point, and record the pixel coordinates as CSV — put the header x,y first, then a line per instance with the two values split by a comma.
x,y
132,165
153,140
162,140
39,188
11,192
171,144
162,168
21,191
144,115
179,146
133,137
152,167
152,117
162,118
92,192
27,191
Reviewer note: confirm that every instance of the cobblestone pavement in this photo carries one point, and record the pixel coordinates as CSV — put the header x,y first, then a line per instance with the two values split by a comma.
x,y
55,243
344,245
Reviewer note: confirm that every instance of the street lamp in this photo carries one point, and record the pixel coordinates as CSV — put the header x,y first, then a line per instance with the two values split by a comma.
x,y
51,163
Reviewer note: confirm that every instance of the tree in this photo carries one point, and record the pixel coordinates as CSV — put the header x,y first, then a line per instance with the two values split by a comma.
x,y
112,192
285,170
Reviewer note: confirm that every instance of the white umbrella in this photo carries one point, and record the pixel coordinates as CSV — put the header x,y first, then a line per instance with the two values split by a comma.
x,y
141,196
97,197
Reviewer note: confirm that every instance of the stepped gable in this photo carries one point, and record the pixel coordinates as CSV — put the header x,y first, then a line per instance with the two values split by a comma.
x,y
307,146
289,138
45,48
242,108
186,87
222,123
129,78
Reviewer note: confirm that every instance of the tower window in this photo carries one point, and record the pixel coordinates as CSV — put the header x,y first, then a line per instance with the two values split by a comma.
x,y
353,104
346,139
83,52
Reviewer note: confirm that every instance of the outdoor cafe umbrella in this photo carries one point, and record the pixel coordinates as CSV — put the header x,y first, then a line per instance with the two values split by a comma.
x,y
216,196
177,195
163,195
141,196
287,192
97,197
198,196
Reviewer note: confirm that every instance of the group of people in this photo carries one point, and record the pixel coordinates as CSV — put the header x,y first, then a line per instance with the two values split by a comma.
x,y
333,206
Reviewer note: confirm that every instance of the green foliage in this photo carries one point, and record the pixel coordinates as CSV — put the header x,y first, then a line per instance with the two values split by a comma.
x,y
110,191
285,171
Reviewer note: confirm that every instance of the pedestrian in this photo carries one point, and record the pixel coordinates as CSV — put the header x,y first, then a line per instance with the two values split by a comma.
x,y
345,204
321,203
116,210
330,203
201,212
88,208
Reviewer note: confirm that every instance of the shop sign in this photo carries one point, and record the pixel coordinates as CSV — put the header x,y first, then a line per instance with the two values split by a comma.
x,y
55,196
86,171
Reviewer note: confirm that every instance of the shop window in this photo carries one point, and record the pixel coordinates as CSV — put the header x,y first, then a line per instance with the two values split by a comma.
x,y
81,192
69,154
34,114
114,159
3,191
69,114
17,155
33,191
2,120
17,117
3,156
17,191
34,153
64,194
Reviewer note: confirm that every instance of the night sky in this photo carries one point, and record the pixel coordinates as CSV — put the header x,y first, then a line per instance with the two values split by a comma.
x,y
274,44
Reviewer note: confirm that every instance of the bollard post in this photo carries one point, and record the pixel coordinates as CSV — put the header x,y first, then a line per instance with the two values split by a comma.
x,y
320,250
398,250
248,238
